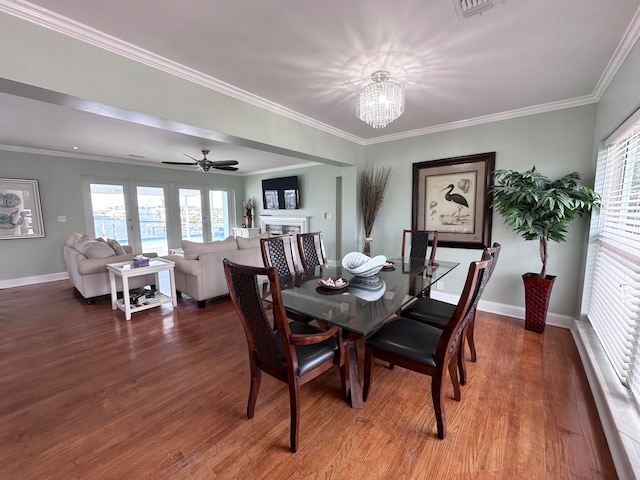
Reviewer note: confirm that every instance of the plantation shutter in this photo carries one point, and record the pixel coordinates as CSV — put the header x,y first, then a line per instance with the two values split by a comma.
x,y
614,309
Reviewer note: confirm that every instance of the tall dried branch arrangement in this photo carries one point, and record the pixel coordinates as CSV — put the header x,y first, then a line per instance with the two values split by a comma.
x,y
373,183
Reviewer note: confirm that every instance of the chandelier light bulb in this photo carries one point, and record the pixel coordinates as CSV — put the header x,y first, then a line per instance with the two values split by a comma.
x,y
381,101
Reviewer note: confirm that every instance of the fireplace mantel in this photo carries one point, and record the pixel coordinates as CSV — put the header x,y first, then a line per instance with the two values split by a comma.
x,y
283,225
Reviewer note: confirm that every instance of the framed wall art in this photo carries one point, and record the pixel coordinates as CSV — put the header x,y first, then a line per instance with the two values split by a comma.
x,y
20,210
452,196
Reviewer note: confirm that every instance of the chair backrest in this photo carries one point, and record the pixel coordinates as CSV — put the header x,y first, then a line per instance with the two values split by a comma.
x,y
419,242
494,251
477,278
261,333
311,249
280,252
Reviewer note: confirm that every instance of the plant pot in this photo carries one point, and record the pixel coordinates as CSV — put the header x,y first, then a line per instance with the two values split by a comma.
x,y
537,292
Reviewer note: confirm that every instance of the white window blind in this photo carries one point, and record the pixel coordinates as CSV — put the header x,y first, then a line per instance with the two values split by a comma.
x,y
614,306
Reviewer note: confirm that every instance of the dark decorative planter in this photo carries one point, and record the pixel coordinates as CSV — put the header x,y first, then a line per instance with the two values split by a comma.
x,y
537,292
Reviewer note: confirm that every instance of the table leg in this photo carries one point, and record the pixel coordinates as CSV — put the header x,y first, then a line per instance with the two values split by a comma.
x,y
172,286
114,290
126,298
355,388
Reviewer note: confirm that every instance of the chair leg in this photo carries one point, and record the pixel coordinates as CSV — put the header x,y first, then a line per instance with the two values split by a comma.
x,y
437,394
256,376
344,376
294,400
453,373
470,339
368,359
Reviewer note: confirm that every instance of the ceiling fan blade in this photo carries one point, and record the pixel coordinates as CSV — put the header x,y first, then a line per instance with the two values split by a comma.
x,y
224,163
230,169
181,163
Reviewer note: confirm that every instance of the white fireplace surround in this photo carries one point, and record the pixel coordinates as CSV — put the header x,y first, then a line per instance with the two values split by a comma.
x,y
283,225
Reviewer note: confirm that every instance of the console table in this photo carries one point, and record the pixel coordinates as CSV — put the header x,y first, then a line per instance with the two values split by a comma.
x,y
245,232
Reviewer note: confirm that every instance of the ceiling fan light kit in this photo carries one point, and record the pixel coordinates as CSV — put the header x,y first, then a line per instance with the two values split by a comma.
x,y
381,101
205,164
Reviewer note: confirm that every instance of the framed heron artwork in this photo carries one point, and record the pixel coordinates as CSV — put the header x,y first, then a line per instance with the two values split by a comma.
x,y
452,196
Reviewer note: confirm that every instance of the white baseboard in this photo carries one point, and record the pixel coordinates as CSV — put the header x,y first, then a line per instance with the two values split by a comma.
x,y
514,311
21,282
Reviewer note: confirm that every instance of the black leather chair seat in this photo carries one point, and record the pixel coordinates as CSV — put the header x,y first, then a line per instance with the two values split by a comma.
x,y
309,356
408,338
428,310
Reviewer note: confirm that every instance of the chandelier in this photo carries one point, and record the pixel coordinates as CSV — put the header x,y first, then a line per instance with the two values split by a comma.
x,y
381,101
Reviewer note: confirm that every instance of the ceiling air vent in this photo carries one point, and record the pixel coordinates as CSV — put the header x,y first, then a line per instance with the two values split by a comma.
x,y
469,8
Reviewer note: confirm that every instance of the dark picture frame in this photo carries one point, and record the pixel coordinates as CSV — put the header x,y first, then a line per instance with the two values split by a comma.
x,y
20,209
452,196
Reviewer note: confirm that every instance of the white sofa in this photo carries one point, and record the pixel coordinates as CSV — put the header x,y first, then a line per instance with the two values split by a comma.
x,y
86,260
199,272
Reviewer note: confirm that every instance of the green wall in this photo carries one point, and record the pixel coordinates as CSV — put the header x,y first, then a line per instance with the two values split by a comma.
x,y
556,143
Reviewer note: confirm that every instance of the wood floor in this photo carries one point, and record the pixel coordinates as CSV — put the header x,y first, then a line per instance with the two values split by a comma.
x,y
86,395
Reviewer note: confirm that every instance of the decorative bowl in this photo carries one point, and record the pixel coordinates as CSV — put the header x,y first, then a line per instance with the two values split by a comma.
x,y
361,265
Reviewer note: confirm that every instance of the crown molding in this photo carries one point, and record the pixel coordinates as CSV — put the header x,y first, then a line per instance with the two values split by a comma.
x,y
53,21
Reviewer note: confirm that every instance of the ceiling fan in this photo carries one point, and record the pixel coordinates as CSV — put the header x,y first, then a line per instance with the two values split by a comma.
x,y
205,164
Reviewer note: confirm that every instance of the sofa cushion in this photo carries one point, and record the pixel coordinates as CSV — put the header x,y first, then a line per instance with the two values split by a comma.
x,y
94,249
193,250
253,242
115,245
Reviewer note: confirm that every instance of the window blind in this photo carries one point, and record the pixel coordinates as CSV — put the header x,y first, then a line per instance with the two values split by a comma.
x,y
614,306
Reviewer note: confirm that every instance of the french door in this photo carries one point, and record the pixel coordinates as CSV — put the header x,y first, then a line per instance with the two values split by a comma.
x,y
156,217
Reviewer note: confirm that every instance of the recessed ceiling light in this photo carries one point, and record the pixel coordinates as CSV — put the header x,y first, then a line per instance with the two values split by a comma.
x,y
76,148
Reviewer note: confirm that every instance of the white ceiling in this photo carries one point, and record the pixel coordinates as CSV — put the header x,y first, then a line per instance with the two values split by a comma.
x,y
307,59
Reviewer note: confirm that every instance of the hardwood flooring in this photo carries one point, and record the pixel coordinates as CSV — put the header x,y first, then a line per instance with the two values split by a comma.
x,y
85,394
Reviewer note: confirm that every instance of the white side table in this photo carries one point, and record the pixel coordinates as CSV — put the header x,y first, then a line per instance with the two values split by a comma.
x,y
126,270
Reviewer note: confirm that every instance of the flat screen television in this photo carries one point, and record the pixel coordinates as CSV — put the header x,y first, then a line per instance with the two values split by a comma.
x,y
280,193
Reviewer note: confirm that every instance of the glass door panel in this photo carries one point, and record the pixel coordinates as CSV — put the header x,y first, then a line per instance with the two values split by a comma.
x,y
219,211
191,215
152,218
109,212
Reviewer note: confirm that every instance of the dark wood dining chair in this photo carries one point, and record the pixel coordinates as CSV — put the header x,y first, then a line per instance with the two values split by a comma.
x,y
426,349
281,252
417,245
437,313
311,250
292,352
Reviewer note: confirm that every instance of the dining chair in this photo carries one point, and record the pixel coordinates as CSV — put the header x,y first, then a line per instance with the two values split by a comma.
x,y
311,250
416,244
291,352
426,349
437,313
281,252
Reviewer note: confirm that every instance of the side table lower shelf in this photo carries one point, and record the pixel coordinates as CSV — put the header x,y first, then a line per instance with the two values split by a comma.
x,y
149,303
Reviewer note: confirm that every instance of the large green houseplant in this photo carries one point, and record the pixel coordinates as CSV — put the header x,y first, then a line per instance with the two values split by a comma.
x,y
540,209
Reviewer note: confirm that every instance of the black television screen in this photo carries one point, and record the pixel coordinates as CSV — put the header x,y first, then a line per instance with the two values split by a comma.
x,y
280,193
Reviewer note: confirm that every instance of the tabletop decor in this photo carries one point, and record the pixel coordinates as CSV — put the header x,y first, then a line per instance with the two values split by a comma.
x,y
373,183
20,210
361,265
540,209
452,197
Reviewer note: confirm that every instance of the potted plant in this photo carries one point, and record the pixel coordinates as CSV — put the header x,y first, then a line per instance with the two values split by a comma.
x,y
540,209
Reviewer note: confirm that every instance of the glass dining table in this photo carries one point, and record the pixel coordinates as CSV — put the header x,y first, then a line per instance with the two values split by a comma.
x,y
364,304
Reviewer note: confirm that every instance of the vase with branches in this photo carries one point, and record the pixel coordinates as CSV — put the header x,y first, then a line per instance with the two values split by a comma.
x,y
373,184
248,208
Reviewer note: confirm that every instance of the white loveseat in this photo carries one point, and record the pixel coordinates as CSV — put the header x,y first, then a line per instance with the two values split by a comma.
x,y
86,260
199,272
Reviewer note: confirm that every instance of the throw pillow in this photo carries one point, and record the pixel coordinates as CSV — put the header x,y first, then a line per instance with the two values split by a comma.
x,y
73,238
193,250
253,242
113,243
94,249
